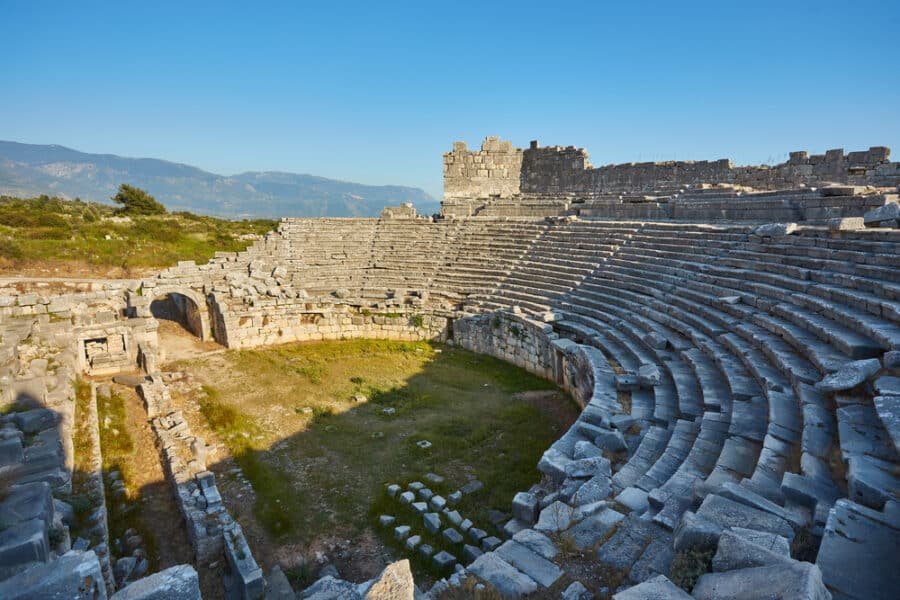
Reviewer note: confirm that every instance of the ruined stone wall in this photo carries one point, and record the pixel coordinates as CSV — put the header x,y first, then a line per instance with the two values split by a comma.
x,y
494,170
279,322
531,345
500,169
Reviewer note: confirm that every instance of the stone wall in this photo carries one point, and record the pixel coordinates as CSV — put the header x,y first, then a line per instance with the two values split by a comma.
x,y
275,321
495,170
531,345
501,170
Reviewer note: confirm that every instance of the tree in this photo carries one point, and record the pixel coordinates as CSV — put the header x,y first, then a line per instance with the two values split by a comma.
x,y
136,201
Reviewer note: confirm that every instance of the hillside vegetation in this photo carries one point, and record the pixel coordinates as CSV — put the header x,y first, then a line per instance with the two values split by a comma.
x,y
47,236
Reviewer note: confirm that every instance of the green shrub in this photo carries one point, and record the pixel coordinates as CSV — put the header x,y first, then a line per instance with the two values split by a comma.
x,y
688,567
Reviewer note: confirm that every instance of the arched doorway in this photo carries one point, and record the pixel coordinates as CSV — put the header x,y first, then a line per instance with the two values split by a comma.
x,y
184,329
180,309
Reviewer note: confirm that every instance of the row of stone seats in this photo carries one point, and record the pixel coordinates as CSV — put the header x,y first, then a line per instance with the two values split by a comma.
x,y
558,260
737,378
779,365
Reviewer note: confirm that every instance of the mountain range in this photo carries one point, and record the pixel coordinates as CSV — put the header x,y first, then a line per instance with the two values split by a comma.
x,y
30,170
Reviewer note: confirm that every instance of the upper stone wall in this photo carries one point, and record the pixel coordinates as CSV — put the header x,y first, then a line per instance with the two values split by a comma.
x,y
501,170
494,170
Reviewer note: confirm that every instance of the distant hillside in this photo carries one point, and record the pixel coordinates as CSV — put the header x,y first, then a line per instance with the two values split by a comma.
x,y
29,170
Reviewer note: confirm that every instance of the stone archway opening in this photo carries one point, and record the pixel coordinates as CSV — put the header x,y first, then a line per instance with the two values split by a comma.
x,y
182,310
184,325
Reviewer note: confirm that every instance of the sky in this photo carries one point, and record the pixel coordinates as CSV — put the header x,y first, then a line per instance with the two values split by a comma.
x,y
375,92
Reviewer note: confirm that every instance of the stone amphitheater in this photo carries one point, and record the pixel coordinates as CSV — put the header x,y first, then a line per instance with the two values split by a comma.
x,y
732,335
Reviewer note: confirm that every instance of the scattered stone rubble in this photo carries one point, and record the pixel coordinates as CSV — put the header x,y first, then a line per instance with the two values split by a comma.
x,y
730,333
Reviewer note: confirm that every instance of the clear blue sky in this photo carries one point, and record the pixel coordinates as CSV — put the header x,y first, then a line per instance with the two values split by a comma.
x,y
375,91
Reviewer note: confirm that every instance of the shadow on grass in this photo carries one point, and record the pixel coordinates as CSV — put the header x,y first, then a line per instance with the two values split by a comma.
x,y
330,479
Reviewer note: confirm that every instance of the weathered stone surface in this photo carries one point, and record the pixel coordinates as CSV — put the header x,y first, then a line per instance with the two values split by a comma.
x,y
793,581
175,583
576,591
635,499
452,536
432,522
591,530
588,467
529,562
611,440
537,542
728,513
73,576
330,588
775,229
872,482
22,544
888,212
508,580
585,449
888,409
736,552
35,420
525,507
27,501
846,224
658,588
394,583
443,560
649,375
849,376
555,517
859,550
696,533
593,490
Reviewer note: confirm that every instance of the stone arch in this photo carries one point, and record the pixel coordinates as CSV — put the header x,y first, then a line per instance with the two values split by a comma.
x,y
190,306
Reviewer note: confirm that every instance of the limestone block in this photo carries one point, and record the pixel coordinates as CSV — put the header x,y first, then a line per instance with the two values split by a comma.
x,y
74,576
791,581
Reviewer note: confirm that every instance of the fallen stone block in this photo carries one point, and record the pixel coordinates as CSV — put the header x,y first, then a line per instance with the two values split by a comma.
x,y
22,544
73,576
728,513
532,564
649,375
696,533
35,420
658,588
508,580
736,552
175,583
849,376
612,440
555,517
443,560
792,581
588,467
25,502
775,229
590,531
585,449
859,550
846,223
871,481
537,542
593,490
330,588
525,507
876,217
